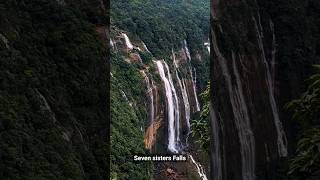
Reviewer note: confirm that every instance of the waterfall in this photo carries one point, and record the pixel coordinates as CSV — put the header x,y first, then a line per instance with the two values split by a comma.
x,y
281,140
242,122
207,45
183,92
128,42
176,106
186,49
150,95
216,155
244,127
125,97
185,102
195,89
145,47
194,82
200,169
174,59
111,44
241,115
149,137
172,107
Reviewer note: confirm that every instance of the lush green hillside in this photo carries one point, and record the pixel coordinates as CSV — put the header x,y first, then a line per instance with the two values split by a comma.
x,y
162,26
53,113
128,117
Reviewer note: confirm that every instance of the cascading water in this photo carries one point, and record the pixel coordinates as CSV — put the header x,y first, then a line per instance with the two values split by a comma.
x,y
111,44
186,49
185,101
174,59
183,90
151,131
172,106
128,42
176,107
244,128
281,140
194,82
145,47
150,95
180,95
125,97
241,115
173,109
200,169
207,45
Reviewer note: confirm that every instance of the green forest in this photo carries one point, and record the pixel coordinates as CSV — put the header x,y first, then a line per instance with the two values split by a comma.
x,y
53,111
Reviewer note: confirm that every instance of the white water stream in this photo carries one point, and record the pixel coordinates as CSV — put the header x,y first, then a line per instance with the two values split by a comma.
x,y
150,95
194,82
172,106
241,115
184,93
207,45
145,47
128,42
200,169
186,49
281,140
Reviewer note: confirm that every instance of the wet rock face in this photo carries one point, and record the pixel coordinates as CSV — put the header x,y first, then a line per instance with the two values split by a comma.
x,y
250,131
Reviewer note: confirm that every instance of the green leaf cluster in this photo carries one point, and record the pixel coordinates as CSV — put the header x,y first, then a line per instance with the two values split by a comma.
x,y
306,163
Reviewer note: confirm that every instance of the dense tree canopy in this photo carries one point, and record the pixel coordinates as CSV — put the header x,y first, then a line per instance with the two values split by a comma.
x,y
53,113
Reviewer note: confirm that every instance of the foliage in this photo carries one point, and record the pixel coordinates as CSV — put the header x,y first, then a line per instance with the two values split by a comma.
x,y
163,25
306,164
200,126
128,117
53,120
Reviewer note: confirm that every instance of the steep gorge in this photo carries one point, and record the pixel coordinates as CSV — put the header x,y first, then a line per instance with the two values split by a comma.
x,y
170,98
160,62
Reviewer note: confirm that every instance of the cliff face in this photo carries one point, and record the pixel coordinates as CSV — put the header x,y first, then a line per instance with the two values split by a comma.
x,y
251,133
250,86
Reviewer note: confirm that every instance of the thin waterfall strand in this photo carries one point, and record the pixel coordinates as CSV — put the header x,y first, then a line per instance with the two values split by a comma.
x,y
171,107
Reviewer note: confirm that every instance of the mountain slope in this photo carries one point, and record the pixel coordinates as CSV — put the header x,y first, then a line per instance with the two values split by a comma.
x,y
53,120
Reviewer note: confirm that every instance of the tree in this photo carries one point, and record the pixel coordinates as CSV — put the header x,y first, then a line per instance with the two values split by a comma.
x,y
306,163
